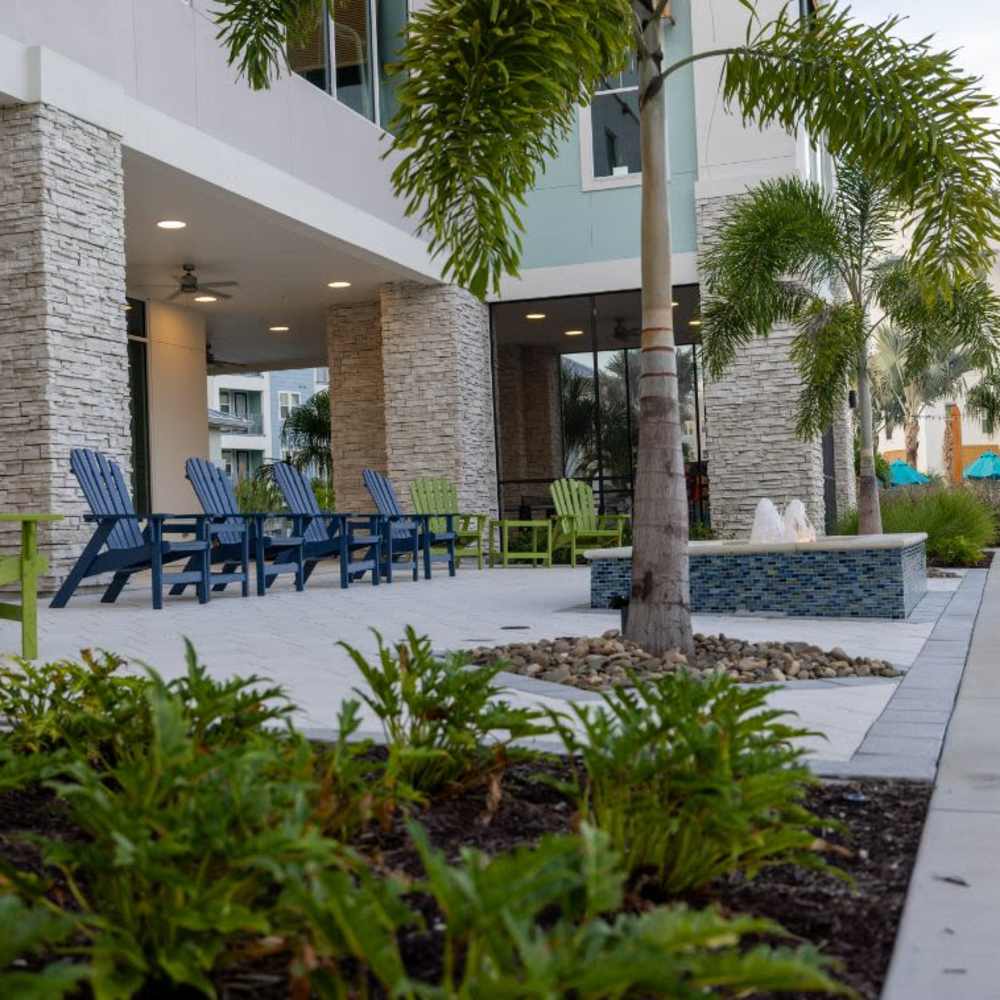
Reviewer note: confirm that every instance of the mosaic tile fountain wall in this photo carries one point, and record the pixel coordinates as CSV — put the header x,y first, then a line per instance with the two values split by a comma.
x,y
834,583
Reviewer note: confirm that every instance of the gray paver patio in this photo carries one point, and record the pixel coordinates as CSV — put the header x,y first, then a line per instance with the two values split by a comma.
x,y
292,637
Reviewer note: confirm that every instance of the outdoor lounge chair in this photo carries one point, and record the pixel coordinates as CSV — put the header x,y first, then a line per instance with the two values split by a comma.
x,y
127,548
409,533
237,538
326,534
576,521
24,570
434,496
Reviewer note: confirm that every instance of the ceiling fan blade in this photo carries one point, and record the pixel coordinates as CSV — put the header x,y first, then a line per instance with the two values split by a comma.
x,y
212,290
224,284
177,294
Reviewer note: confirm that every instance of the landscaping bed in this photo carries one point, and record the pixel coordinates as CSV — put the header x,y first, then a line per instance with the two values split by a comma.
x,y
606,661
180,839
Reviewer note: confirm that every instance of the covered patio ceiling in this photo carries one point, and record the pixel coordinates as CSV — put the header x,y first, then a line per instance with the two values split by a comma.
x,y
282,266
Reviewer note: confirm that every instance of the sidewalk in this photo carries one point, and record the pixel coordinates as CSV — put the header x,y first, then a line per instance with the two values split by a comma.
x,y
949,937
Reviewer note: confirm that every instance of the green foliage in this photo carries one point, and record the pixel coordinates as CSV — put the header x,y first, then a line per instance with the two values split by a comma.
x,y
307,432
442,719
958,523
326,496
34,930
183,849
529,923
699,532
987,491
259,494
983,401
693,779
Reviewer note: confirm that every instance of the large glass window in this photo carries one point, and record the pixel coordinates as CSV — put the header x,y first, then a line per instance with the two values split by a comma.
x,y
353,55
138,384
567,399
614,126
391,27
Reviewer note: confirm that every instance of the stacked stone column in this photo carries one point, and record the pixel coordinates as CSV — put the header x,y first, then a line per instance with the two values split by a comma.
x,y
411,393
751,444
63,342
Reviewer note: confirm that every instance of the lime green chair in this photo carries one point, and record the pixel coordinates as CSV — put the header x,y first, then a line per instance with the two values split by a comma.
x,y
438,496
577,524
25,569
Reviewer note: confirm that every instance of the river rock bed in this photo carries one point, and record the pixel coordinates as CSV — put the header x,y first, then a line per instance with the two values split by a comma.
x,y
596,664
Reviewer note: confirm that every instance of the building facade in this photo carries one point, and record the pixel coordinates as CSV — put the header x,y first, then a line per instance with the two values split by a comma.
x,y
160,222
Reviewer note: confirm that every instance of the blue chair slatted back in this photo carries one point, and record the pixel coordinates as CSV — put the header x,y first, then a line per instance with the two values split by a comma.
x,y
387,503
104,488
215,493
299,497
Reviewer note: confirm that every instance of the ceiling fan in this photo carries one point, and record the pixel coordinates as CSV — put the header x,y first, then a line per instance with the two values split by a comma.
x,y
623,332
188,284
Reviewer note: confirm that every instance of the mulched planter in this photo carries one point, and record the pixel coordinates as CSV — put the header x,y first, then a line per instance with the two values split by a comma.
x,y
855,924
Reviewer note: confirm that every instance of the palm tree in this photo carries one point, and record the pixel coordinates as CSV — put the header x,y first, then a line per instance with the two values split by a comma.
x,y
491,88
983,401
901,395
307,432
826,264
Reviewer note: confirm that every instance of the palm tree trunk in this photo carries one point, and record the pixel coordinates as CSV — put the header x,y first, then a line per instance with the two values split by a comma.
x,y
912,435
659,610
869,510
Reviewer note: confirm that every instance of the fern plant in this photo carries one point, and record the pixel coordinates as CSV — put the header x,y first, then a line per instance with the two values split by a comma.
x,y
443,720
693,779
530,924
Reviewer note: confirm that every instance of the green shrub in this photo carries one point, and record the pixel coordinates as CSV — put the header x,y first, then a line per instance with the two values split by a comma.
x,y
326,496
98,710
529,924
259,494
693,779
958,523
442,719
32,930
987,491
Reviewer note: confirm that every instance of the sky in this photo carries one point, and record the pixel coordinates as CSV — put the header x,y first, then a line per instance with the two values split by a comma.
x,y
973,26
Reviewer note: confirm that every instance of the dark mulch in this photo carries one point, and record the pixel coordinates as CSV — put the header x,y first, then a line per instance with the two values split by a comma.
x,y
852,923
985,563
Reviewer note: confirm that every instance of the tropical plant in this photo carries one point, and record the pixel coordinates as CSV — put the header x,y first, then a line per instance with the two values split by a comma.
x,y
839,250
983,401
901,396
307,432
529,924
489,89
443,720
958,523
259,494
27,930
693,779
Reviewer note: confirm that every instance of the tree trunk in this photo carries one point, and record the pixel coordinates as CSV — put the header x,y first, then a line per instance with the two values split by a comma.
x,y
912,434
659,610
869,511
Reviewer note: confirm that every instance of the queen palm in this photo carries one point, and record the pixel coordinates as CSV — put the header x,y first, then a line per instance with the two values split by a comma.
x,y
826,265
306,432
491,87
901,396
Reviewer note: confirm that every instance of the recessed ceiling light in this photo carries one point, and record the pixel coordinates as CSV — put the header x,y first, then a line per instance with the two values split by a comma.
x,y
694,322
574,333
278,329
171,224
534,316
339,284
205,298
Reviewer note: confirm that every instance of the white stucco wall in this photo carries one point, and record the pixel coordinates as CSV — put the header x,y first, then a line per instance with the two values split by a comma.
x,y
178,408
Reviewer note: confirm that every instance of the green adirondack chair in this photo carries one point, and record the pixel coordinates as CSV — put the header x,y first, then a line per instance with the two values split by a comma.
x,y
576,522
438,496
25,570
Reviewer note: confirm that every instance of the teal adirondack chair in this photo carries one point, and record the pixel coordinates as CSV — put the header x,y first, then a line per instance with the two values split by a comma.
x,y
438,496
24,569
578,524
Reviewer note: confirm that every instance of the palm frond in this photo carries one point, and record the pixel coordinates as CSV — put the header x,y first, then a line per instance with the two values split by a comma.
x,y
983,402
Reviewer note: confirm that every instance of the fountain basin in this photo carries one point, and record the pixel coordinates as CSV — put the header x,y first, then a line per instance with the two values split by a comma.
x,y
840,576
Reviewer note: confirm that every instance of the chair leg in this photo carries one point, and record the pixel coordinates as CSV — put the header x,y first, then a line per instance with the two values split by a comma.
x,y
451,557
245,583
422,545
390,554
29,590
79,571
114,588
303,570
157,565
261,569
229,567
344,558
189,567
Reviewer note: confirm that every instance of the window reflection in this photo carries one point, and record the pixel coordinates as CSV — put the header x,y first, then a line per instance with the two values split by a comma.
x,y
352,55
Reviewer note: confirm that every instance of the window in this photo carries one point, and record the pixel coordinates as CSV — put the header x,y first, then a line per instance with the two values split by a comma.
x,y
350,52
322,376
225,401
241,464
609,133
287,401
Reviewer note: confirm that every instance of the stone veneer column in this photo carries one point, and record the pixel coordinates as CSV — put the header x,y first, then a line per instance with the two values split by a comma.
x,y
411,394
751,444
357,401
63,342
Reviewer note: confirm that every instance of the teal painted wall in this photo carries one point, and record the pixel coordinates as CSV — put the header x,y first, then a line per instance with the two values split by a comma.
x,y
566,225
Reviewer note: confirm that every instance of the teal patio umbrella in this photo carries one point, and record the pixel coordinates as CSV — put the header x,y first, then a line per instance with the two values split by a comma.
x,y
903,474
987,466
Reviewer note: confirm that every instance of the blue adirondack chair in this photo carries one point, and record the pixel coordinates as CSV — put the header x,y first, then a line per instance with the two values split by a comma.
x,y
327,534
237,538
127,548
409,533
